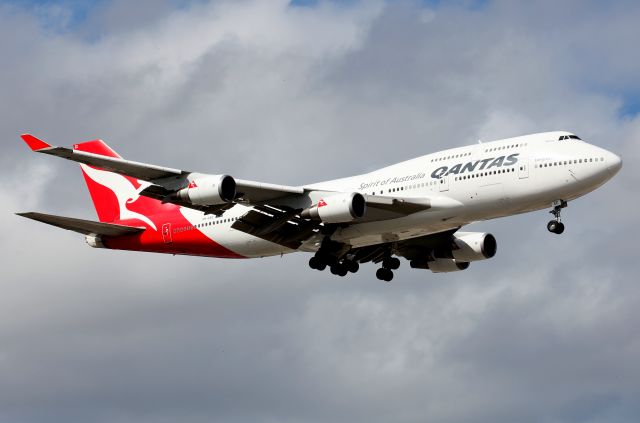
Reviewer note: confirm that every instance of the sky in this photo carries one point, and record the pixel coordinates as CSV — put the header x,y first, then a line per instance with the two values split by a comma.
x,y
292,93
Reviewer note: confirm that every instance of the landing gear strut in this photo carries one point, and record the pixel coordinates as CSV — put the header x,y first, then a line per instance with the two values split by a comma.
x,y
556,226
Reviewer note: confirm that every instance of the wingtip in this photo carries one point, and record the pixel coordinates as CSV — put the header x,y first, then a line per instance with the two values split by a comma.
x,y
34,143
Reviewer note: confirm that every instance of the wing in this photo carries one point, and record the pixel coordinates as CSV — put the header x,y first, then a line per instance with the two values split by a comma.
x,y
86,227
165,180
143,171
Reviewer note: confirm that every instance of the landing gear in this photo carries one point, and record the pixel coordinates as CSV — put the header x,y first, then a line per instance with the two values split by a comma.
x,y
316,263
391,263
384,274
351,266
339,268
556,226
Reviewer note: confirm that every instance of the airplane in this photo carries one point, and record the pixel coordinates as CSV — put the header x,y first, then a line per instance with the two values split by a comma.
x,y
413,209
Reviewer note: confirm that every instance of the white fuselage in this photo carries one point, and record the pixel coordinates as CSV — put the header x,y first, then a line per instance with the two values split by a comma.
x,y
465,184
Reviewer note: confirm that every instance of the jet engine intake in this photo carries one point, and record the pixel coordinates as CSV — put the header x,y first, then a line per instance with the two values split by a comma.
x,y
209,190
337,208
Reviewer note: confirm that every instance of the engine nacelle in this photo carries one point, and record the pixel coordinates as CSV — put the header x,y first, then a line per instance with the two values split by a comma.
x,y
443,265
337,208
209,190
470,246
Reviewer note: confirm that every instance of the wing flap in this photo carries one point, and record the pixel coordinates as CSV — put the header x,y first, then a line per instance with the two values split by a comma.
x,y
86,227
276,224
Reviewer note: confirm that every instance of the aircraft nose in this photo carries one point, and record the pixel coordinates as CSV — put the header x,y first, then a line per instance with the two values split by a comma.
x,y
614,163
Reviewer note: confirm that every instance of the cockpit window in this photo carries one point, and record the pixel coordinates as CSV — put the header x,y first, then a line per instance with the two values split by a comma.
x,y
569,137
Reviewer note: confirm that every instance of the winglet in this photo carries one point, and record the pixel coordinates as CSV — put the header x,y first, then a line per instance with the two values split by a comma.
x,y
34,143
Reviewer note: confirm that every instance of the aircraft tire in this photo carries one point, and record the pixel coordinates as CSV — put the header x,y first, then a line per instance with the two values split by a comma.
x,y
384,274
392,263
314,262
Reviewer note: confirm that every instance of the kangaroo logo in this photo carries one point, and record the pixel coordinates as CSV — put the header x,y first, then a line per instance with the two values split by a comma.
x,y
124,191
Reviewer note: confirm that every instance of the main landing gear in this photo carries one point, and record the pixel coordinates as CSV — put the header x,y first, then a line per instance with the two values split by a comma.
x,y
388,265
339,268
556,226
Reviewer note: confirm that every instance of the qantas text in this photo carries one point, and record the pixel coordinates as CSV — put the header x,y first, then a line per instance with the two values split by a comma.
x,y
471,166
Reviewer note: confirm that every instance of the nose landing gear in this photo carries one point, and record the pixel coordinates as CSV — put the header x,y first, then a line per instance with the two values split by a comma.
x,y
556,226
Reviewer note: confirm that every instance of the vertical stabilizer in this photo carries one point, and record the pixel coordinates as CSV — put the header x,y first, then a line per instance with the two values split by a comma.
x,y
116,197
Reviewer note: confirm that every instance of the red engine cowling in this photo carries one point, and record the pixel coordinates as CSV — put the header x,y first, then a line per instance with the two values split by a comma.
x,y
337,208
209,190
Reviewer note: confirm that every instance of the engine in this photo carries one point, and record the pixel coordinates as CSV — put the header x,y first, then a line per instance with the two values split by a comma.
x,y
337,208
209,190
441,265
468,247
463,248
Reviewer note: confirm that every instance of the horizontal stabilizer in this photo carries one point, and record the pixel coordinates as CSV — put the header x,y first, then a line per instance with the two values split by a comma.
x,y
86,227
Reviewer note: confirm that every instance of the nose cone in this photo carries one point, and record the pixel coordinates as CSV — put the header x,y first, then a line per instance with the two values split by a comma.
x,y
614,163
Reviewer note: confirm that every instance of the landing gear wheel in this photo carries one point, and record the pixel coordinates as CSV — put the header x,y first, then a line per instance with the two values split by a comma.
x,y
351,266
556,226
316,263
391,263
338,269
384,274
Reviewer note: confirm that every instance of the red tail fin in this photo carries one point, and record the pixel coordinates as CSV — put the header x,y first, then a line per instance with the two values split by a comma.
x,y
116,197
104,199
